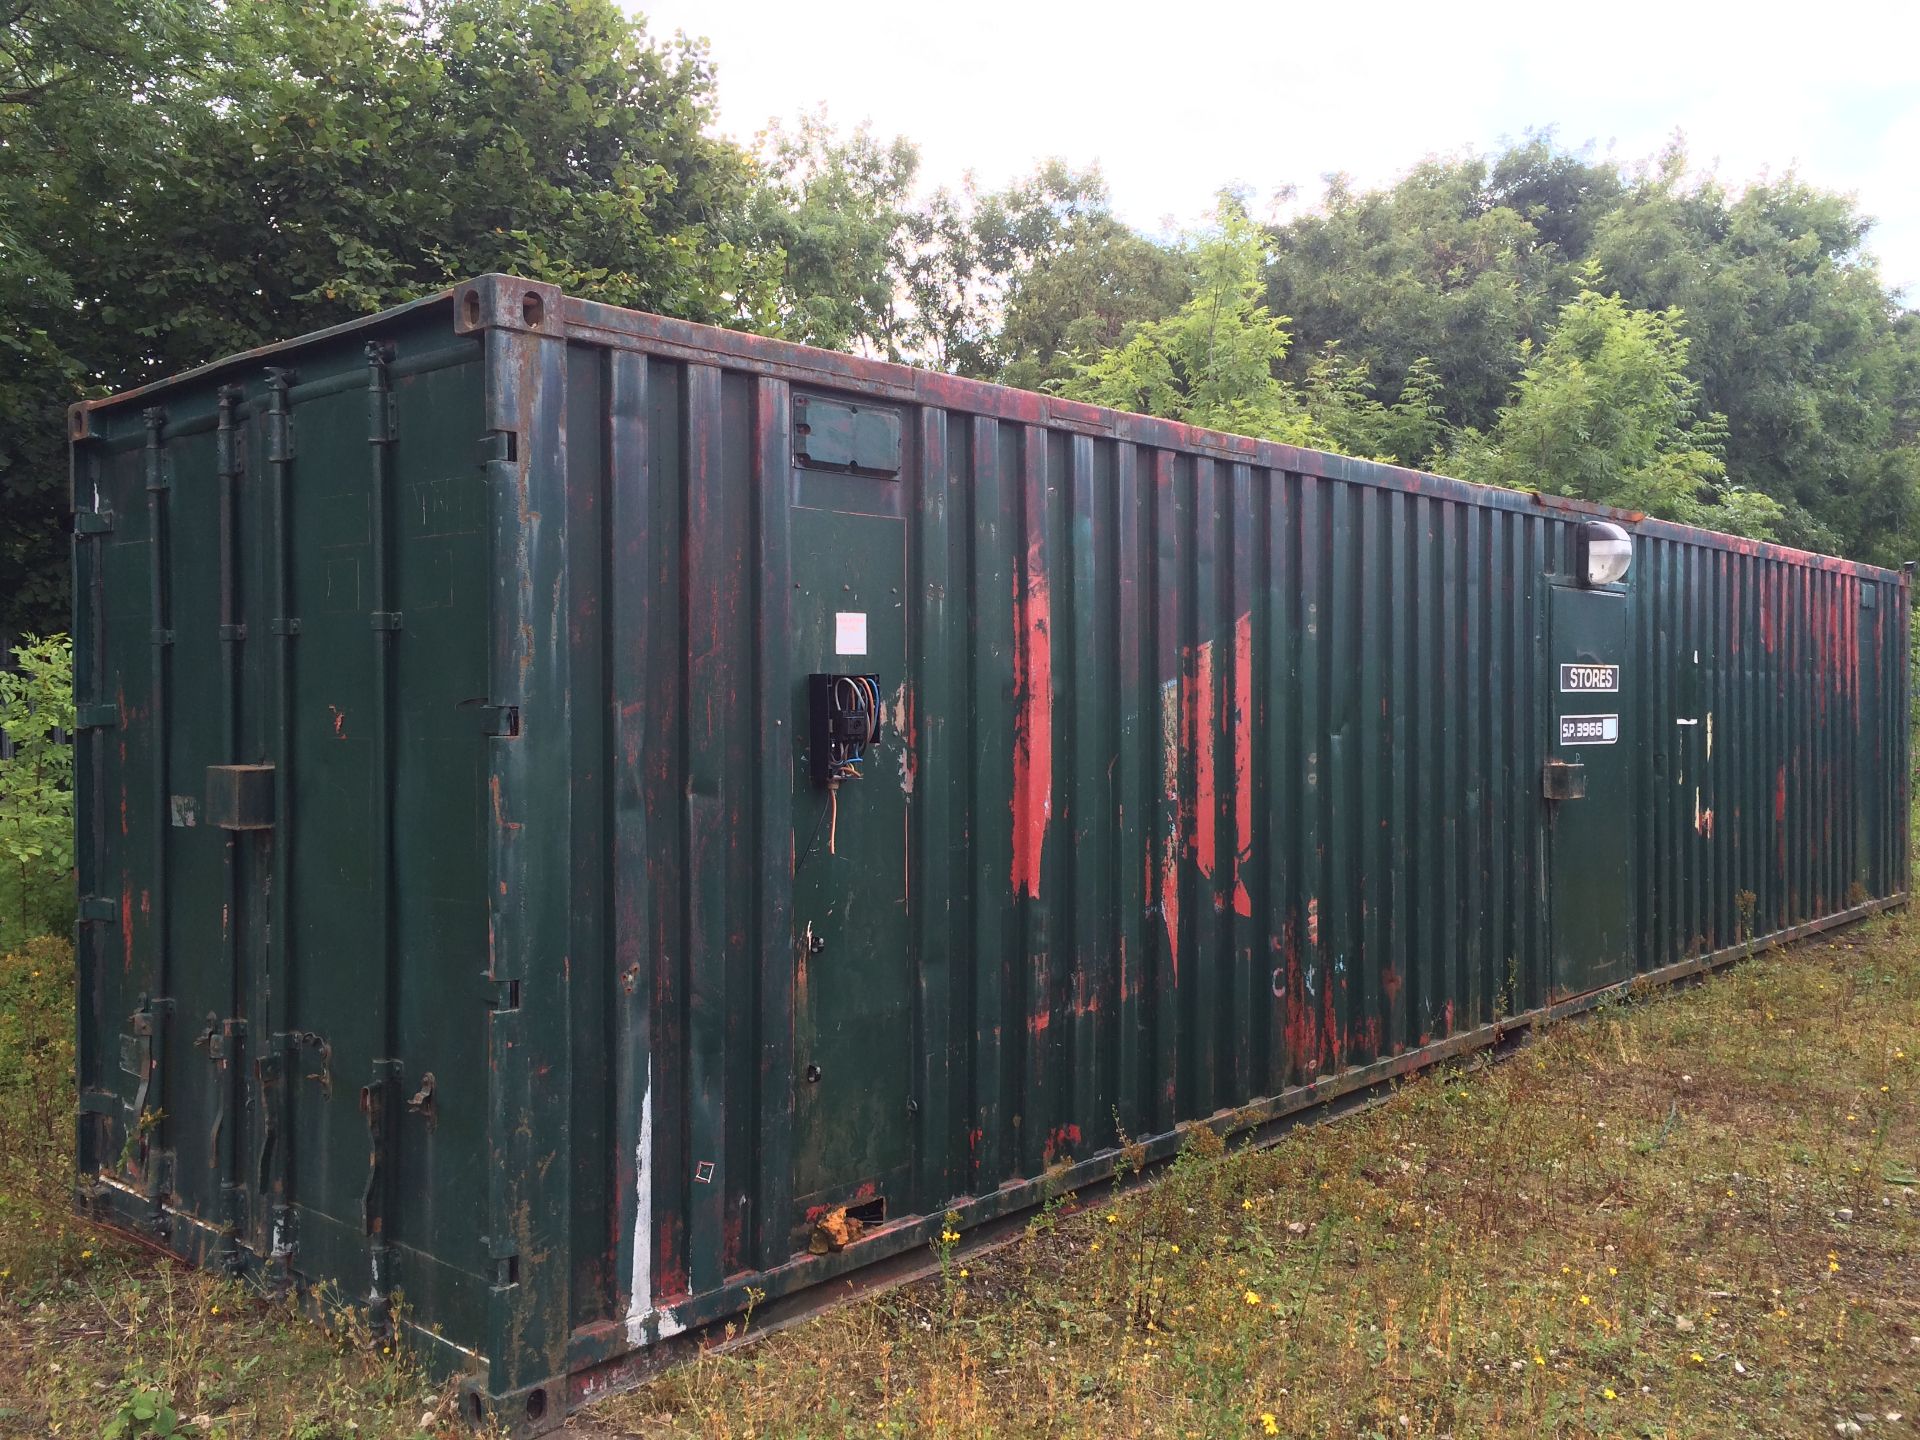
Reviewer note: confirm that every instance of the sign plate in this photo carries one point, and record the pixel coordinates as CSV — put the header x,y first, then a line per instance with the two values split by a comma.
x,y
1589,677
1589,729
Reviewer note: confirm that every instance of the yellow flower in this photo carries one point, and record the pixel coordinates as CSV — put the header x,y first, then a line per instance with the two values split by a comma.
x,y
1585,1301
1252,1297
216,1309
1697,1358
1612,1271
86,1254
1112,1219
1851,1119
1268,1424
1248,1205
963,1272
1539,1359
1174,1248
1833,1265
1094,1246
1608,1392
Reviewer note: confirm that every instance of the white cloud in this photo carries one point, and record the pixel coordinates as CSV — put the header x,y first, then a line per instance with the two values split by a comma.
x,y
1174,101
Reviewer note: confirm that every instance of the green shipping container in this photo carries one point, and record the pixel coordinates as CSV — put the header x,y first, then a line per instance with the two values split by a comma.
x,y
583,815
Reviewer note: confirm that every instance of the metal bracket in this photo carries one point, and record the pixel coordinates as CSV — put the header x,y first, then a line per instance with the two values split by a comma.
x,y
88,523
98,910
385,619
500,720
96,717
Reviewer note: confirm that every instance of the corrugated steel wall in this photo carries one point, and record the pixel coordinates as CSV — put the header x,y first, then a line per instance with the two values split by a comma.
x,y
1219,764
1224,775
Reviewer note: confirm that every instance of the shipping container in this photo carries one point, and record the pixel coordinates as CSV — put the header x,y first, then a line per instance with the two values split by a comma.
x,y
586,818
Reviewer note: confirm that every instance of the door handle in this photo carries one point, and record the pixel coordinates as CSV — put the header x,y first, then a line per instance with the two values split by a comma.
x,y
1563,780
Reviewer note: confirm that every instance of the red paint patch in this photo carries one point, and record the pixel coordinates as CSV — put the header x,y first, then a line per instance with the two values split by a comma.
x,y
1032,725
1196,721
339,722
1242,759
1062,1141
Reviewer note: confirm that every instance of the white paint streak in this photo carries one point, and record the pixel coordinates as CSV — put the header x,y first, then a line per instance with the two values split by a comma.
x,y
640,1302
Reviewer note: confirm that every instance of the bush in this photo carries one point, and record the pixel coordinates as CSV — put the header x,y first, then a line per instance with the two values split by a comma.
x,y
36,792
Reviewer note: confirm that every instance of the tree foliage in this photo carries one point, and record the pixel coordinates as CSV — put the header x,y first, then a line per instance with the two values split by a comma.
x,y
207,177
180,180
1606,412
36,792
1215,360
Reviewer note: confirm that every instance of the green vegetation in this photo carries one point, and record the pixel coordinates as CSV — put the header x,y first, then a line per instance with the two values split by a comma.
x,y
181,181
36,793
98,1336
1689,1216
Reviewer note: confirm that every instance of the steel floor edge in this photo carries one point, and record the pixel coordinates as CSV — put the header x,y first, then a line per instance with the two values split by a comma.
x,y
900,1254
600,1361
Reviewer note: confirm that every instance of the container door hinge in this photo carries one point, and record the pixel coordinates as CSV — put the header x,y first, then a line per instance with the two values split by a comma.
x,y
385,619
88,523
98,910
503,994
96,717
500,720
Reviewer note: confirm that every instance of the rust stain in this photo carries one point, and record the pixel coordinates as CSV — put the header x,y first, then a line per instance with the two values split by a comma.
x,y
339,722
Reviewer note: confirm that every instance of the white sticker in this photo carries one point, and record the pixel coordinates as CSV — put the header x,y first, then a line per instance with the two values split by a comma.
x,y
1589,729
849,632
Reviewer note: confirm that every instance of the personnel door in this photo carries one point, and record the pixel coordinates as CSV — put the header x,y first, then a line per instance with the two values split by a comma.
x,y
1590,828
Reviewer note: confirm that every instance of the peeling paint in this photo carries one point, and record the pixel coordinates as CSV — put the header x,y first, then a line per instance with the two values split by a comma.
x,y
640,1308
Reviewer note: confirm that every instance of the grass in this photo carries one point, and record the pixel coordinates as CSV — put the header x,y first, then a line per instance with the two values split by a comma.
x,y
99,1336
1693,1216
1690,1216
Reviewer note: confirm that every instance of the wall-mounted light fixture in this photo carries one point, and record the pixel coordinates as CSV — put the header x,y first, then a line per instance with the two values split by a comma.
x,y
1606,553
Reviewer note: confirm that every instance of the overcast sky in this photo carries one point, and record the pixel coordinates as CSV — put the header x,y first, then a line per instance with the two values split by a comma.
x,y
1176,98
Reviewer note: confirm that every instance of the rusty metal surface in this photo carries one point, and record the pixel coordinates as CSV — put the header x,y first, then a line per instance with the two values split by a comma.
x,y
1208,782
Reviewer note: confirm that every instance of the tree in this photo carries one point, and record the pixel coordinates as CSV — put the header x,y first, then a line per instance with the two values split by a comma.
x,y
832,223
1795,340
235,173
1458,262
1411,431
1607,413
1214,361
1099,281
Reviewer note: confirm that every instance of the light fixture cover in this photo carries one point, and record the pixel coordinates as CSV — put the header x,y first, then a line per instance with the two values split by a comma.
x,y
1609,553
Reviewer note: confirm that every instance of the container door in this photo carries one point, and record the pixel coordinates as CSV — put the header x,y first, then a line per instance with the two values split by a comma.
x,y
852,999
1590,823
